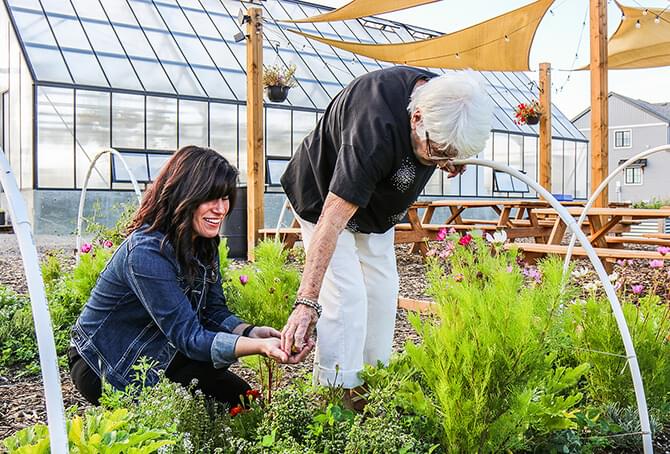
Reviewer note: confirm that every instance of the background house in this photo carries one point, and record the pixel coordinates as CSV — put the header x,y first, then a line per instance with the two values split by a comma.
x,y
634,126
146,77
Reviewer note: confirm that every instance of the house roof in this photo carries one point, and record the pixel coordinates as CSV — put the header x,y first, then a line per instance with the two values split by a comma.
x,y
187,49
660,110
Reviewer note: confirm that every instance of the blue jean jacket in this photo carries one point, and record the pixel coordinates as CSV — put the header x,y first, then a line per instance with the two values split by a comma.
x,y
142,306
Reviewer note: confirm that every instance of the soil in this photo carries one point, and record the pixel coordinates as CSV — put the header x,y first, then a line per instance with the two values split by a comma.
x,y
22,398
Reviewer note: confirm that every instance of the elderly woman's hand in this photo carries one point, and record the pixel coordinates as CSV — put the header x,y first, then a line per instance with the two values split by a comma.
x,y
296,335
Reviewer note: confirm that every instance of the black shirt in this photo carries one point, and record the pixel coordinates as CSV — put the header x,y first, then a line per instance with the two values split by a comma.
x,y
361,150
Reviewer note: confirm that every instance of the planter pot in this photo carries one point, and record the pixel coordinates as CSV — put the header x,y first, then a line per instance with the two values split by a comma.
x,y
533,120
276,93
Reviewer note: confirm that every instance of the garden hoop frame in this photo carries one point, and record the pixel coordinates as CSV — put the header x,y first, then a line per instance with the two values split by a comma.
x,y
596,193
38,302
82,198
607,286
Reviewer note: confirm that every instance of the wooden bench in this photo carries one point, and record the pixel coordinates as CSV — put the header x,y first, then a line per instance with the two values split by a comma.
x,y
533,251
287,235
637,240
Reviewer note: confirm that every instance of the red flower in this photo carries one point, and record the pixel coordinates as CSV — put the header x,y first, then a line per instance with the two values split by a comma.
x,y
465,239
256,394
236,410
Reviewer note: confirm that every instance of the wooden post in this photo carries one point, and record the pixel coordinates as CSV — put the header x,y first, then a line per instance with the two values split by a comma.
x,y
255,155
599,111
545,126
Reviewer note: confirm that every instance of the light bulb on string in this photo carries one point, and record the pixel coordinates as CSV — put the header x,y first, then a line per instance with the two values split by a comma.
x,y
637,24
458,56
645,12
657,20
506,38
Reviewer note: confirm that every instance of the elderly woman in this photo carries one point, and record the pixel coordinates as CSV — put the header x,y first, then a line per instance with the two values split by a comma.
x,y
349,182
160,296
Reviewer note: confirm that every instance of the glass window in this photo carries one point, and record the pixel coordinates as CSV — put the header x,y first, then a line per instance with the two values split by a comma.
x,y
242,144
278,132
85,68
582,170
303,124
622,139
633,175
118,12
515,151
557,166
223,130
92,122
569,167
48,64
434,186
127,121
55,138
33,28
57,6
530,159
156,163
119,72
193,125
89,9
137,164
161,123
484,175
276,168
27,122
153,76
174,18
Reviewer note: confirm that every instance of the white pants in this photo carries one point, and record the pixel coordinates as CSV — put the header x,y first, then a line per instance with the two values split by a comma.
x,y
359,297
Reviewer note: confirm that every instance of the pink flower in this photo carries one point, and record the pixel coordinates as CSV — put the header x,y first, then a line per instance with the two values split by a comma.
x,y
458,277
451,231
656,263
108,243
465,240
532,273
431,252
621,262
244,279
637,289
446,253
86,248
441,234
663,250
510,268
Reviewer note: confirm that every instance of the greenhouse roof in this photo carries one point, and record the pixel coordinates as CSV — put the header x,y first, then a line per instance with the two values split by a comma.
x,y
186,48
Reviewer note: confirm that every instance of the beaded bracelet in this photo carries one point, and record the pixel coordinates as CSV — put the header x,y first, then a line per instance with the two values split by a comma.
x,y
309,303
247,330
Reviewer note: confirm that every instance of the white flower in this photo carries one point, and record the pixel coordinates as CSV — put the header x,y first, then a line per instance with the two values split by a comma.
x,y
580,272
591,286
614,277
498,237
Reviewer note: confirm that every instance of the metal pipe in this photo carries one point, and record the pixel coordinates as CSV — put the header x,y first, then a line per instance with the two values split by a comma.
x,y
607,285
596,193
38,301
82,197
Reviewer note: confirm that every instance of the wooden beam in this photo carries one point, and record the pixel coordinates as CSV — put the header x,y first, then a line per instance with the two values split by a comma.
x,y
545,126
255,155
599,111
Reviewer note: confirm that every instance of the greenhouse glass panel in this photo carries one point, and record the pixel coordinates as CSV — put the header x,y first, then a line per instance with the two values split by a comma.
x,y
156,163
298,97
174,19
173,61
569,174
146,15
119,12
515,159
278,132
85,68
89,9
27,122
530,157
127,121
485,174
193,123
57,6
48,64
152,75
92,126
32,4
214,84
136,162
119,72
303,124
55,139
34,28
557,166
223,130
161,123
581,174
452,186
202,22
275,170
434,185
69,33
242,144
468,182
222,55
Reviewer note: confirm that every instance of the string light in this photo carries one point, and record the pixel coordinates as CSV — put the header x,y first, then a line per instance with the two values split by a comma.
x,y
506,38
657,20
645,12
637,24
458,56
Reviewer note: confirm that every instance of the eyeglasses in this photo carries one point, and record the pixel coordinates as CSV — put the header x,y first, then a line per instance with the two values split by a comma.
x,y
442,155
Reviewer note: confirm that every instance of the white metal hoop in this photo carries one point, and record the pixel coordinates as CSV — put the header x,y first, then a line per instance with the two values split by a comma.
x,y
38,301
82,198
607,286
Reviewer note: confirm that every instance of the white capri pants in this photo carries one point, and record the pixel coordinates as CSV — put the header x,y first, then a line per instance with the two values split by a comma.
x,y
359,297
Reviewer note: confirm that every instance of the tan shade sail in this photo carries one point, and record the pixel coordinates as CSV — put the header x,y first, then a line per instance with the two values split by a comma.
x,y
498,44
645,47
362,8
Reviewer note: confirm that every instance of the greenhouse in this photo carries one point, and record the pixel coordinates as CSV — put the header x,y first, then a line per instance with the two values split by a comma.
x,y
147,77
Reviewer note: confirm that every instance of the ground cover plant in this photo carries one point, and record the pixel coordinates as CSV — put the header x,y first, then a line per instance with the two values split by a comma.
x,y
511,361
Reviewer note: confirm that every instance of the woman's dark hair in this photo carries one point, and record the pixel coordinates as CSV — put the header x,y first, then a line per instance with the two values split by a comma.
x,y
192,175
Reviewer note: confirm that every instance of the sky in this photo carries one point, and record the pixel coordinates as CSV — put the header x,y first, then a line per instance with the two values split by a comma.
x,y
562,40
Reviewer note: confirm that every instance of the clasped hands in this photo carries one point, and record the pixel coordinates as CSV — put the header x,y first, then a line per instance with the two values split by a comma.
x,y
294,342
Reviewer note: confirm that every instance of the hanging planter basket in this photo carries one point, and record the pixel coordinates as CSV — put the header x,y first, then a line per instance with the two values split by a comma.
x,y
532,119
277,93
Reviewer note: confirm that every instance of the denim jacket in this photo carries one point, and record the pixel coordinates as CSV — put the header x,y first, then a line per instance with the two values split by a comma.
x,y
142,306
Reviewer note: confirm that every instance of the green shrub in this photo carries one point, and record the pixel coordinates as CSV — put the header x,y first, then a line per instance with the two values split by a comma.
x,y
490,379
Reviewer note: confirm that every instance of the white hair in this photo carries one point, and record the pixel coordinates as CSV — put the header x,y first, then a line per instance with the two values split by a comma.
x,y
455,110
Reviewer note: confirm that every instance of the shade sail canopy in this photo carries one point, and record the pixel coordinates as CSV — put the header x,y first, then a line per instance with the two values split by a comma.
x,y
361,8
645,47
498,44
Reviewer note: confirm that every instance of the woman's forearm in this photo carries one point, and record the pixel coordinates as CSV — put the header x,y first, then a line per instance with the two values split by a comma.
x,y
334,217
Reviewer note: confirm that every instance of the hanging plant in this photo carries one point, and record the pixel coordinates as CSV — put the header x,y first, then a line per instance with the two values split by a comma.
x,y
277,81
528,114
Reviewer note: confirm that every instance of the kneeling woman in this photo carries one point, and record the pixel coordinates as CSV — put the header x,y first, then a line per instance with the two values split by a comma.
x,y
160,296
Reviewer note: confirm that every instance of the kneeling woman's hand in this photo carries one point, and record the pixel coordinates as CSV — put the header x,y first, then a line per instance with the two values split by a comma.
x,y
269,346
263,332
